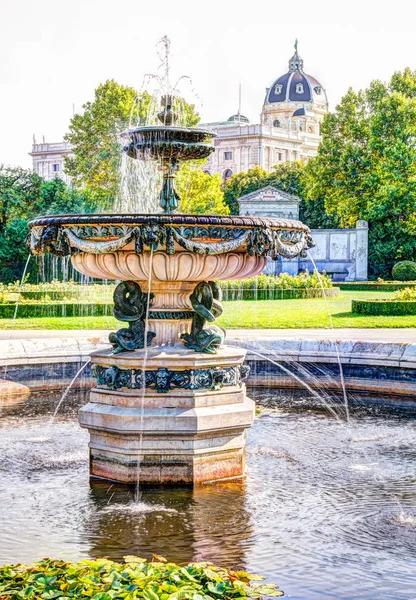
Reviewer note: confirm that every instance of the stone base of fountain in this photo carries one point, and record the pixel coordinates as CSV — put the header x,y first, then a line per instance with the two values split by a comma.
x,y
168,416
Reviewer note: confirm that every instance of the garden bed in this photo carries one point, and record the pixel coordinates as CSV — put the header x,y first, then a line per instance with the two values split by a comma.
x,y
383,307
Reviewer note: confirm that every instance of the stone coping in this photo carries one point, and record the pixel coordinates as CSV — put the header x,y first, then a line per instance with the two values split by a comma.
x,y
279,346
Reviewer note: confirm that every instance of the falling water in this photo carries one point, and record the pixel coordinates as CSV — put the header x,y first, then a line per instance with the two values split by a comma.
x,y
143,390
140,181
66,392
22,281
299,380
341,370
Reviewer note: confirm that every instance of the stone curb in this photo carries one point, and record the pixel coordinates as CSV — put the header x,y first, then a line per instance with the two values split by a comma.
x,y
39,351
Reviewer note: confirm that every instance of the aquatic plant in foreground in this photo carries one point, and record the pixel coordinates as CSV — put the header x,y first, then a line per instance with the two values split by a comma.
x,y
103,579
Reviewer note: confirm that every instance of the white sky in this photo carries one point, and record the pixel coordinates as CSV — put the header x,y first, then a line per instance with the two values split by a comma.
x,y
53,53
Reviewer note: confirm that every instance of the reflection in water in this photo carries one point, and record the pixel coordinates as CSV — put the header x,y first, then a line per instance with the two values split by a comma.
x,y
184,525
326,511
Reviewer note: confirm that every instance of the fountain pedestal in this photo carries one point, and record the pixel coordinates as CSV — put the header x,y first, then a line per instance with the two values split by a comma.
x,y
168,415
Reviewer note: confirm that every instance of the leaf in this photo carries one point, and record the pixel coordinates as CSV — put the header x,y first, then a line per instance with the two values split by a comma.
x,y
134,559
149,594
159,558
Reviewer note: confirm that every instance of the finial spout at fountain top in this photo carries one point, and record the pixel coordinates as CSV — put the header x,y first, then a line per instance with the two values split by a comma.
x,y
168,116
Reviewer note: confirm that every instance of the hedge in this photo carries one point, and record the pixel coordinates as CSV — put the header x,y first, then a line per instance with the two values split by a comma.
x,y
375,286
61,295
27,311
276,294
383,307
102,579
404,270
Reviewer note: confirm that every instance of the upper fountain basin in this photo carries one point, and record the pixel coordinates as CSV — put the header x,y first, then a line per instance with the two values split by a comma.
x,y
168,143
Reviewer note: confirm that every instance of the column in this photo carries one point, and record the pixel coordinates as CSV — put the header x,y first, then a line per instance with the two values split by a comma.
x,y
361,253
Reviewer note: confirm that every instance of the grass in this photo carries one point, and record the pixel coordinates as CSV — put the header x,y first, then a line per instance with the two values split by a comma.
x,y
265,314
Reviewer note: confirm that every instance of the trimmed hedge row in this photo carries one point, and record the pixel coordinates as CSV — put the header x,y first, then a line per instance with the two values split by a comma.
x,y
229,295
383,307
62,295
27,311
375,286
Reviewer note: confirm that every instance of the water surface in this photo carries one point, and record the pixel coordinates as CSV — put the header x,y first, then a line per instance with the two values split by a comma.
x,y
327,511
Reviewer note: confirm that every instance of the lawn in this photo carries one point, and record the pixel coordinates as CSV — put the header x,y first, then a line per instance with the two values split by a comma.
x,y
281,314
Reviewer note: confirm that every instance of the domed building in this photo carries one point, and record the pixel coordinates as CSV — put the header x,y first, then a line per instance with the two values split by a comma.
x,y
293,109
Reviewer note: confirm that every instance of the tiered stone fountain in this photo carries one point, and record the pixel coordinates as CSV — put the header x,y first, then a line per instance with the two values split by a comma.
x,y
170,404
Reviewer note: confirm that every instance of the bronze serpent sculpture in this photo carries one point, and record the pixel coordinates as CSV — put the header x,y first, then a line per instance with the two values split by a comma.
x,y
206,302
130,305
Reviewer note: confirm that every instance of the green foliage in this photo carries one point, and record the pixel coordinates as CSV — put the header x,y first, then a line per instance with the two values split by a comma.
x,y
95,137
312,212
13,250
289,177
284,281
19,201
384,307
404,270
366,167
103,579
241,184
368,286
23,196
408,293
56,198
200,192
19,194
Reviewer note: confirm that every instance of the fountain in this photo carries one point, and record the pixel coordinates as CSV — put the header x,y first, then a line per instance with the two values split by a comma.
x,y
170,404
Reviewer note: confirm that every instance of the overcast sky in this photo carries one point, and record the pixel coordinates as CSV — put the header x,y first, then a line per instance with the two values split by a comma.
x,y
55,52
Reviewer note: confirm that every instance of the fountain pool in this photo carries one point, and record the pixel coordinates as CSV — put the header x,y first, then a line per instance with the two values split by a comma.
x,y
326,510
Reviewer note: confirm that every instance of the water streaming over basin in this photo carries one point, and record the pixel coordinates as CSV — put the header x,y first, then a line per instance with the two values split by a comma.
x,y
316,512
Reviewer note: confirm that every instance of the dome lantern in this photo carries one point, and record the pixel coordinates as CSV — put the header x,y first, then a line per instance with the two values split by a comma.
x,y
296,62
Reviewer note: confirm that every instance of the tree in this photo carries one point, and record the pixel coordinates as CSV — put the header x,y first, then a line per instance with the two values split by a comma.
x,y
19,194
243,183
57,198
13,250
200,192
366,167
288,177
95,137
23,196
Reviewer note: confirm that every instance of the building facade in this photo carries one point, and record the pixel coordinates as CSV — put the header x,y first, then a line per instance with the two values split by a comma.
x,y
342,253
48,159
289,128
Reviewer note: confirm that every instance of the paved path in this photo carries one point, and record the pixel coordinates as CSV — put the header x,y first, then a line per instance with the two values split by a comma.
x,y
404,335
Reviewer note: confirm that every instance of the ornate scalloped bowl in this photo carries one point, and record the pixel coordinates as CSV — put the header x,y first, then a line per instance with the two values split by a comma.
x,y
173,252
168,143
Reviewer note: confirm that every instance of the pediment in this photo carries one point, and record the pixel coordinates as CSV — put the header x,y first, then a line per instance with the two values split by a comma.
x,y
269,193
